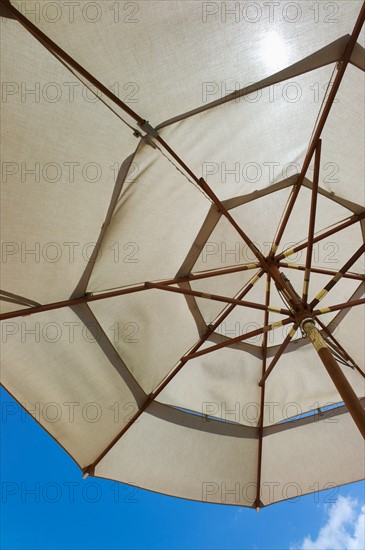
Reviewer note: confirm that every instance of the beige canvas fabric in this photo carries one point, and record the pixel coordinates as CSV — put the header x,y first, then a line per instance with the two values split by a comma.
x,y
99,206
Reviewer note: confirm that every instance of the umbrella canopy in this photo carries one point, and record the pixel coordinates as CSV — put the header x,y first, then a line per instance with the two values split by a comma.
x,y
183,231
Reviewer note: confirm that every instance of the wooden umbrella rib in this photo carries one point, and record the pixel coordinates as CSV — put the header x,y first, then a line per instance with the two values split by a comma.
x,y
343,225
209,192
72,302
321,123
91,468
338,307
278,354
312,221
59,52
353,276
337,276
342,66
257,502
218,298
217,272
241,338
105,295
207,274
192,354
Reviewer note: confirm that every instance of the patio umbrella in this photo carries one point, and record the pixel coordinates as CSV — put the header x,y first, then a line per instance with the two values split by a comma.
x,y
183,231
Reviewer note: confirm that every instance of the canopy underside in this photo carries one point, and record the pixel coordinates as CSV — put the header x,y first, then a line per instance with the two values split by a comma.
x,y
132,300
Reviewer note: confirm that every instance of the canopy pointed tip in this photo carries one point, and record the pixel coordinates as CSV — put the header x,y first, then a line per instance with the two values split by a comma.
x,y
88,471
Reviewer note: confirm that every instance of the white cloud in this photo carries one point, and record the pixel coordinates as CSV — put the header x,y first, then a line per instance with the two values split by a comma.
x,y
343,530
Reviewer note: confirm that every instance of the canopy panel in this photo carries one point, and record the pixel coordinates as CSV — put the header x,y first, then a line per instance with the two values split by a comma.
x,y
59,168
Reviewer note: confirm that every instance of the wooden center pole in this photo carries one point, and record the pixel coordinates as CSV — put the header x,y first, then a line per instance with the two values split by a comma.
x,y
343,386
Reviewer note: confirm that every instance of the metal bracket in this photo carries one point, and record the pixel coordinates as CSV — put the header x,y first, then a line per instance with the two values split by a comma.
x,y
146,127
302,323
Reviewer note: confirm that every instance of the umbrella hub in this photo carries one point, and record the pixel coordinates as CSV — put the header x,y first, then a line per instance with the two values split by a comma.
x,y
286,290
304,316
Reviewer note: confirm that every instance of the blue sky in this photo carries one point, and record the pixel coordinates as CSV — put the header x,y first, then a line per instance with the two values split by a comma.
x,y
66,512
